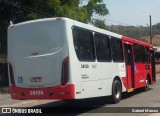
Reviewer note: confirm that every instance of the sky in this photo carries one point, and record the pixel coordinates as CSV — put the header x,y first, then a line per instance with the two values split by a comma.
x,y
132,12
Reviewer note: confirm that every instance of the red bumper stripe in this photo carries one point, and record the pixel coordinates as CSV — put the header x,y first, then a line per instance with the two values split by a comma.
x,y
58,92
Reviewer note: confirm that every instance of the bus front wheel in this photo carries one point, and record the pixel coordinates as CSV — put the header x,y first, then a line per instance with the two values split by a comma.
x,y
116,91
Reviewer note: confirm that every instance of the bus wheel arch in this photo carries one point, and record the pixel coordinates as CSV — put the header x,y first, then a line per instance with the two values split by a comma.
x,y
116,90
149,78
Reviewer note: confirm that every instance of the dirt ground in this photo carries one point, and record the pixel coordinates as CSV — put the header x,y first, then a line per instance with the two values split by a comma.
x,y
158,68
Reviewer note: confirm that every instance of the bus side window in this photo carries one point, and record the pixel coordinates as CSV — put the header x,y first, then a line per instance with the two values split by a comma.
x,y
102,48
142,53
147,55
83,44
117,54
136,53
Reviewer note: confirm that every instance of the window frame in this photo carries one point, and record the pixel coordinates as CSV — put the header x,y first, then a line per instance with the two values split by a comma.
x,y
137,55
147,55
120,50
142,56
107,47
75,44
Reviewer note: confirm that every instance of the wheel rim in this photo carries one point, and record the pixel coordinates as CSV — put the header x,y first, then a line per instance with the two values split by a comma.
x,y
147,83
117,91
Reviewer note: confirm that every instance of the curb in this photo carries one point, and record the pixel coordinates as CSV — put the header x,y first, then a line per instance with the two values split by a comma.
x,y
21,103
155,114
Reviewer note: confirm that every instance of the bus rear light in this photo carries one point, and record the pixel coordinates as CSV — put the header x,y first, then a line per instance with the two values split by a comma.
x,y
11,75
65,71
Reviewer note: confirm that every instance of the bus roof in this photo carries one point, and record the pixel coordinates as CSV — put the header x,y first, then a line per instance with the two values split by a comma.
x,y
88,27
136,41
76,23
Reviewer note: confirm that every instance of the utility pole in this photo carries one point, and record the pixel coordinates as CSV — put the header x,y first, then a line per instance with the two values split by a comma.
x,y
150,18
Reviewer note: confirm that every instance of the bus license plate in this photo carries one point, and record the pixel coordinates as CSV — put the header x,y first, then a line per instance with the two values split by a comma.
x,y
37,92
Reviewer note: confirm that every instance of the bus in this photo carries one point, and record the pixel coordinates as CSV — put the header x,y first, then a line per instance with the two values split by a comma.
x,y
60,58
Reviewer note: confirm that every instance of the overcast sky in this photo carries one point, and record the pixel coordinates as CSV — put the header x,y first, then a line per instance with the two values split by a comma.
x,y
132,12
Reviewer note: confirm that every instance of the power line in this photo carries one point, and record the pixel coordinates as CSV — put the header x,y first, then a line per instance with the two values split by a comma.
x,y
26,8
148,7
45,14
150,3
142,8
156,3
48,15
100,17
131,5
117,21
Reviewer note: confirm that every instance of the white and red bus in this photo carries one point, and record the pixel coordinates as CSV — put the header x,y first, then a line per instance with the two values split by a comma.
x,y
60,58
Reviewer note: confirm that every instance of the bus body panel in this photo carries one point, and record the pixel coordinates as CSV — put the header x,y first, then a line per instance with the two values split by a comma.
x,y
141,70
97,78
38,53
37,50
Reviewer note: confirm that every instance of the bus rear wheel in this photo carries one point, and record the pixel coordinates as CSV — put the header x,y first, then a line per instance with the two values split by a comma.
x,y
116,91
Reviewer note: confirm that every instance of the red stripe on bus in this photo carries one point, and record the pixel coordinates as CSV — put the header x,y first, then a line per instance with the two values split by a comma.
x,y
58,92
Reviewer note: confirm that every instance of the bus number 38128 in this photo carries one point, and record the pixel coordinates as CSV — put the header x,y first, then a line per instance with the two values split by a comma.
x,y
36,92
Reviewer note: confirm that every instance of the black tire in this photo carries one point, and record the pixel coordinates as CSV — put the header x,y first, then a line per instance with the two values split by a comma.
x,y
116,91
146,88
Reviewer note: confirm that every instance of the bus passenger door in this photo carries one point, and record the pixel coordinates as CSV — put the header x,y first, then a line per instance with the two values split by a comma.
x,y
129,65
153,65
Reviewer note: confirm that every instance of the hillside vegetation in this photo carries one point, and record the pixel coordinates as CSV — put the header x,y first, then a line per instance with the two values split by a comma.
x,y
138,32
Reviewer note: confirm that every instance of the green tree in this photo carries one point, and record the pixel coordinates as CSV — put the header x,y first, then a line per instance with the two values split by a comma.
x,y
74,9
99,23
96,7
23,10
